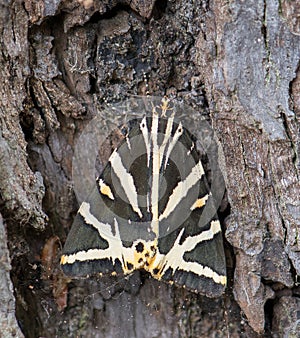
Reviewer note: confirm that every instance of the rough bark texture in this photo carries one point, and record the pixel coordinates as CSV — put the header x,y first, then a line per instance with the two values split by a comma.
x,y
8,323
238,63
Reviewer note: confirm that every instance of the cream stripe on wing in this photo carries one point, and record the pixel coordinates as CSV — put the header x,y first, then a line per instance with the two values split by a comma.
x,y
167,136
145,132
155,173
128,142
178,133
104,229
126,181
147,141
191,242
182,188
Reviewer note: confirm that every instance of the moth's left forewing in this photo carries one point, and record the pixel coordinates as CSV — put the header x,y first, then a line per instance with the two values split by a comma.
x,y
107,225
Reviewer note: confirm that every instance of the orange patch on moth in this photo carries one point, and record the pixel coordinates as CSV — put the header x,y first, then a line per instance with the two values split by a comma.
x,y
63,259
105,190
200,202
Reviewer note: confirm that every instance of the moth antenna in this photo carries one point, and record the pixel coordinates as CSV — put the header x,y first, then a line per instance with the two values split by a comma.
x,y
109,287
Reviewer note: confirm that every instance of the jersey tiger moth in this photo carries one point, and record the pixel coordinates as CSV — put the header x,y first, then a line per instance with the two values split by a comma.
x,y
146,211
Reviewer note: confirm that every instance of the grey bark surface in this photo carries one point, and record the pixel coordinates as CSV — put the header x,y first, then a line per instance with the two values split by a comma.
x,y
8,323
236,63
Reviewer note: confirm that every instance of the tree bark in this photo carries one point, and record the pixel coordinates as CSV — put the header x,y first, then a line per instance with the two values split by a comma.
x,y
237,64
8,323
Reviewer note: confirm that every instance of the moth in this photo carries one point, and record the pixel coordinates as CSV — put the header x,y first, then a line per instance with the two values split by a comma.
x,y
147,211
